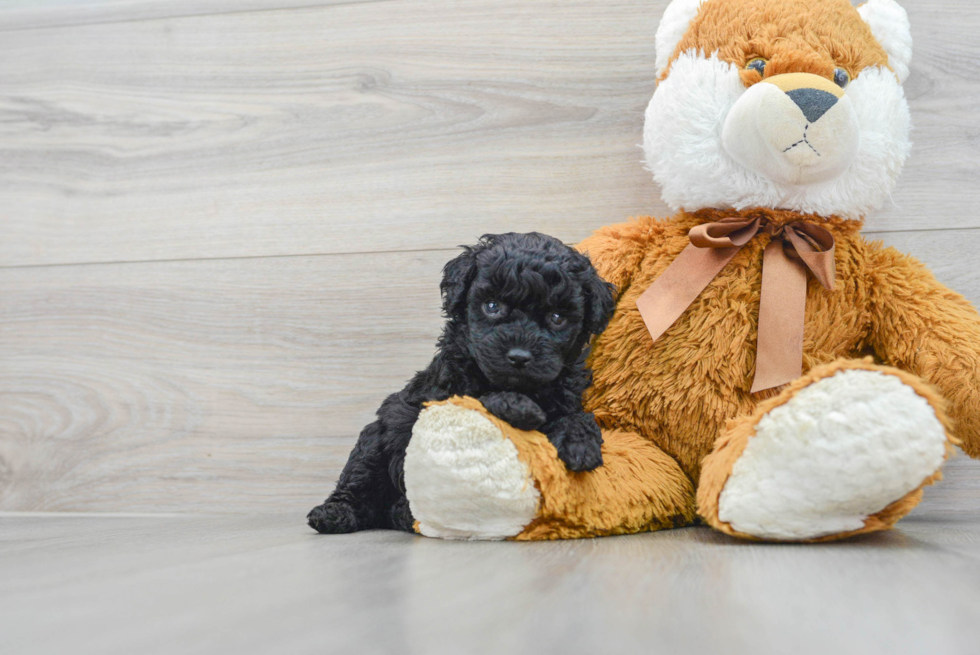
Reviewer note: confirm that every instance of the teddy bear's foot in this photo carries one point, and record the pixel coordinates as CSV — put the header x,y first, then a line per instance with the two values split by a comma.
x,y
845,450
464,479
470,475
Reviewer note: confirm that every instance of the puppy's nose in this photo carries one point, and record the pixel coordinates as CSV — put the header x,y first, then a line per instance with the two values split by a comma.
x,y
518,357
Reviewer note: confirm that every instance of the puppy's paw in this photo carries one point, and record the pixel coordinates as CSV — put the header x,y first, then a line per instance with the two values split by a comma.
x,y
333,518
515,408
578,440
581,455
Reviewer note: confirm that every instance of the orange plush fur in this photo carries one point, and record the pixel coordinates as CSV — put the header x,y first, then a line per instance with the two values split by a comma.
x,y
794,36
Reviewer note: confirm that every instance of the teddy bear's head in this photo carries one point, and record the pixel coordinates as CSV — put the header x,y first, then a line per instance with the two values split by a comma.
x,y
792,104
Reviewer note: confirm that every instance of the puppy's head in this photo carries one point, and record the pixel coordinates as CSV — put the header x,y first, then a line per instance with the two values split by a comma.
x,y
528,305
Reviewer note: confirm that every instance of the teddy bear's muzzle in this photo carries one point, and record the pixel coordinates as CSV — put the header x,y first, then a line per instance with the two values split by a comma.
x,y
796,128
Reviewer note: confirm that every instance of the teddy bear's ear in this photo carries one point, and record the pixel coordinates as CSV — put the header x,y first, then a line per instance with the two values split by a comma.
x,y
890,25
673,26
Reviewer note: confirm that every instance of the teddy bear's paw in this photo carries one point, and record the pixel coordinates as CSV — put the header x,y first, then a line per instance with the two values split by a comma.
x,y
464,479
839,451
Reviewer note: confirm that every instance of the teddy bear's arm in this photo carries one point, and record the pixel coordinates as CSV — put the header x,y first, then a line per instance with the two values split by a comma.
x,y
617,251
924,327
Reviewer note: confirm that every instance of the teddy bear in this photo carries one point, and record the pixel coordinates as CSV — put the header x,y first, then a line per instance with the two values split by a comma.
x,y
767,371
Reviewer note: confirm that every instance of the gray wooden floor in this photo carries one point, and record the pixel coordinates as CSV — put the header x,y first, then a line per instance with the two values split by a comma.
x,y
237,584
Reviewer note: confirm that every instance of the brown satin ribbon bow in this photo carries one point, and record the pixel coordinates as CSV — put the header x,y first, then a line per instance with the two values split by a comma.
x,y
794,248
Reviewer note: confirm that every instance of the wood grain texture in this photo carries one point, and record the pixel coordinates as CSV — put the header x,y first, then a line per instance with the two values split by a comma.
x,y
402,125
219,385
230,385
246,585
39,14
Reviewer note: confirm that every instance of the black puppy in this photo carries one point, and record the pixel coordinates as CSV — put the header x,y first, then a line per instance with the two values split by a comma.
x,y
521,309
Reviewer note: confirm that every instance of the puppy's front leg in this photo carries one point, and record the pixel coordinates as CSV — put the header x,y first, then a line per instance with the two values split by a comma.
x,y
515,408
578,439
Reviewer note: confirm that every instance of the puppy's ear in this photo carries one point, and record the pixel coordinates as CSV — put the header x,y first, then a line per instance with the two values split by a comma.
x,y
599,298
457,276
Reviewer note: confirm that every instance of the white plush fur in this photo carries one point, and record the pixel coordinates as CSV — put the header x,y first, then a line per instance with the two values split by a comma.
x,y
890,25
677,17
464,479
841,450
683,145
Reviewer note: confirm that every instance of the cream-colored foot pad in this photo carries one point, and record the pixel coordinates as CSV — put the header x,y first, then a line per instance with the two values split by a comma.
x,y
838,452
464,479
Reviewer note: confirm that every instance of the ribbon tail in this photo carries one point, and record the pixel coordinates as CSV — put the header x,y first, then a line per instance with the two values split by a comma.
x,y
680,285
782,310
816,251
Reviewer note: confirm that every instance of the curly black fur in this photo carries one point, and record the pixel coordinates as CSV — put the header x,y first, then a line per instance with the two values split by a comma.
x,y
521,309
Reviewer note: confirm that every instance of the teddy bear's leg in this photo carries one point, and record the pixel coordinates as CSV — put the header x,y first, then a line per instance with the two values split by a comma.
x,y
469,475
845,450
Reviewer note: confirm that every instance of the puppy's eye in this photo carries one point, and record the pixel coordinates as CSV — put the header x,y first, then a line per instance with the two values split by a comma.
x,y
493,308
557,320
758,65
842,78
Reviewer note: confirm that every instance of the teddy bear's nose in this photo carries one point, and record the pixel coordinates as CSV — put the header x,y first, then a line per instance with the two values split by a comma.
x,y
814,95
814,103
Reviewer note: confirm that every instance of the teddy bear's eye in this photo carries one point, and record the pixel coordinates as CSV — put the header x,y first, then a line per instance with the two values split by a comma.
x,y
758,65
842,78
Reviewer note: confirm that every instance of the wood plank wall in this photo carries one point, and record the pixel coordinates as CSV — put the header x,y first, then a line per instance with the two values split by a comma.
x,y
223,220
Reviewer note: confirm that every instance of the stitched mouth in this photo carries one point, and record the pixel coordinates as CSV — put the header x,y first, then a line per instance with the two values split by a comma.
x,y
804,141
